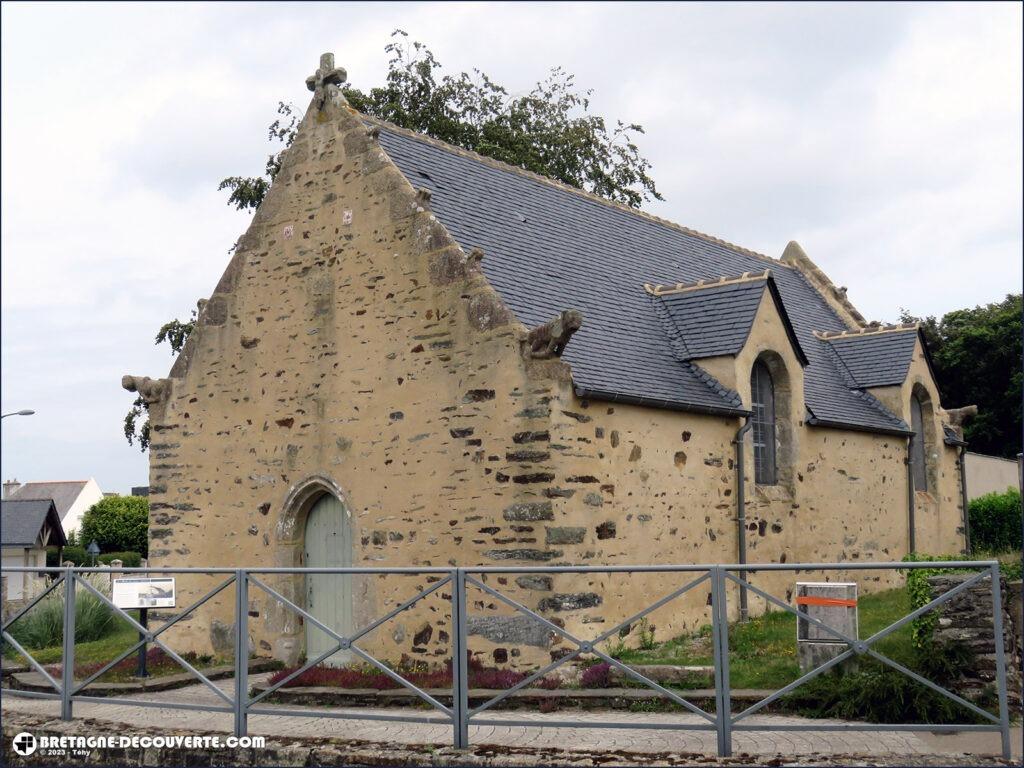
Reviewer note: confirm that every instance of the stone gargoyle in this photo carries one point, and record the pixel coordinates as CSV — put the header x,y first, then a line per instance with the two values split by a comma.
x,y
957,417
548,340
152,391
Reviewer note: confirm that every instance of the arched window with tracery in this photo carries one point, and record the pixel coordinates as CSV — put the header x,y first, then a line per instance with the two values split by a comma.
x,y
762,395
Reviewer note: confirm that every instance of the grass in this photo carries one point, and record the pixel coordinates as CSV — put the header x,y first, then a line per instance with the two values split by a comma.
x,y
763,650
92,655
100,632
104,650
158,664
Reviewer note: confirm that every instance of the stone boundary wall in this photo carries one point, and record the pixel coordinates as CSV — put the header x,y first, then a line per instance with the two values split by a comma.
x,y
968,618
337,752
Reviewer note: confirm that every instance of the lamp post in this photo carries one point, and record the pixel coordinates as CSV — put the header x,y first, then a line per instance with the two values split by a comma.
x,y
93,549
23,412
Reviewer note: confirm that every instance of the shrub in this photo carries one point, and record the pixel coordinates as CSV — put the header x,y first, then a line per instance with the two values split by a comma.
x,y
118,524
418,673
43,625
995,521
597,676
1012,569
76,555
920,592
80,557
879,694
128,559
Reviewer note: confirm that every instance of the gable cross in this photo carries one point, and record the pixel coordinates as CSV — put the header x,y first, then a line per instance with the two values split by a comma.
x,y
325,80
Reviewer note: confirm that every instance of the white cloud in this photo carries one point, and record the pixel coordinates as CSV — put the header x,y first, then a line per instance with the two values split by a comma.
x,y
885,138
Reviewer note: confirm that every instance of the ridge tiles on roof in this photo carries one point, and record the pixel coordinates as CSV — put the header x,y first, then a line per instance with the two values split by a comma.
x,y
665,290
549,247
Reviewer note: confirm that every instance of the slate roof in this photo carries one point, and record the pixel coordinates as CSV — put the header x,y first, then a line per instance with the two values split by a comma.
x,y
21,522
876,359
716,318
548,248
63,492
950,437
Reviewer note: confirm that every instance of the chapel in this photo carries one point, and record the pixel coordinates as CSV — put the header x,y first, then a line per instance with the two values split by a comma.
x,y
420,356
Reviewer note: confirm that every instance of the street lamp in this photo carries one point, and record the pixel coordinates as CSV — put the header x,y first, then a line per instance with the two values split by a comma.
x,y
93,549
24,412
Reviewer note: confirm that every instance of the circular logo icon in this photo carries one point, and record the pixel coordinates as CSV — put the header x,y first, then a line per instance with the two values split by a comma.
x,y
24,744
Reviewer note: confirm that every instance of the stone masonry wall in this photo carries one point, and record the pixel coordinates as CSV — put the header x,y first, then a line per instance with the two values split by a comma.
x,y
352,347
968,619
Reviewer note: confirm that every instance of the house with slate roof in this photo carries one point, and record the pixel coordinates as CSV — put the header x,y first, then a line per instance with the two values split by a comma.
x,y
421,356
71,497
27,528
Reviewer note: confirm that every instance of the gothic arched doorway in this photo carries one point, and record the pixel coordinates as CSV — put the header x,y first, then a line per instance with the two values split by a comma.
x,y
328,544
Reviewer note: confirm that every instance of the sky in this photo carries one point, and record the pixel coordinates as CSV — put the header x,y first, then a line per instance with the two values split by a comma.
x,y
884,138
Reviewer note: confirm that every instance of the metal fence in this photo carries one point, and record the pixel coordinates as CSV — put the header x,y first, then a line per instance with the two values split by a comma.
x,y
460,716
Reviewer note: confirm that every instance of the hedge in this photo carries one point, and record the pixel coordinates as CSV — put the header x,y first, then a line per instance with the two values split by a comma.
x,y
80,557
995,521
128,559
76,555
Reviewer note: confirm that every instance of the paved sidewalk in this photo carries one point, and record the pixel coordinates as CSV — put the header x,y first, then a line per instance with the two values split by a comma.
x,y
528,735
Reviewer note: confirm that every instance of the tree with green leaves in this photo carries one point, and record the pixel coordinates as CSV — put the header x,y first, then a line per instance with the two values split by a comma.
x,y
550,131
117,524
977,358
136,421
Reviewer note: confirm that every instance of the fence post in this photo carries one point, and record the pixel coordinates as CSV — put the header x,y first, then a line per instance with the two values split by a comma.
x,y
241,652
997,628
720,649
460,661
67,679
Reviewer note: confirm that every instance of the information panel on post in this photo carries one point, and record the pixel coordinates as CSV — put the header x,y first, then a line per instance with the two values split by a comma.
x,y
143,593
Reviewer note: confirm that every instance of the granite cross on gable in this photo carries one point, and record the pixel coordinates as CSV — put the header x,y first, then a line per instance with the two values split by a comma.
x,y
325,79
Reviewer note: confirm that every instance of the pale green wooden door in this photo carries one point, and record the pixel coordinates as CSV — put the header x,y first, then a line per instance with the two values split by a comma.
x,y
328,596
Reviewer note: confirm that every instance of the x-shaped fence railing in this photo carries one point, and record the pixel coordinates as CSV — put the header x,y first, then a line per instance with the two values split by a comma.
x,y
723,721
343,643
67,690
458,580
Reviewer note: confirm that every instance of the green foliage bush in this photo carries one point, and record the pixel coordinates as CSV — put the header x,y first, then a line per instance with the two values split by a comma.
x,y
43,625
920,592
118,524
879,694
128,559
995,521
1012,569
76,555
80,557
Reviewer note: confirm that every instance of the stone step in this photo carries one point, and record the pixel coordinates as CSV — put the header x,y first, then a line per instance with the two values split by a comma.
x,y
585,698
664,673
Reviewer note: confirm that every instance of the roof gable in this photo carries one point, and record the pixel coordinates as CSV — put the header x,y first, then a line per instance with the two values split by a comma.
x,y
548,248
711,319
877,358
64,493
21,521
